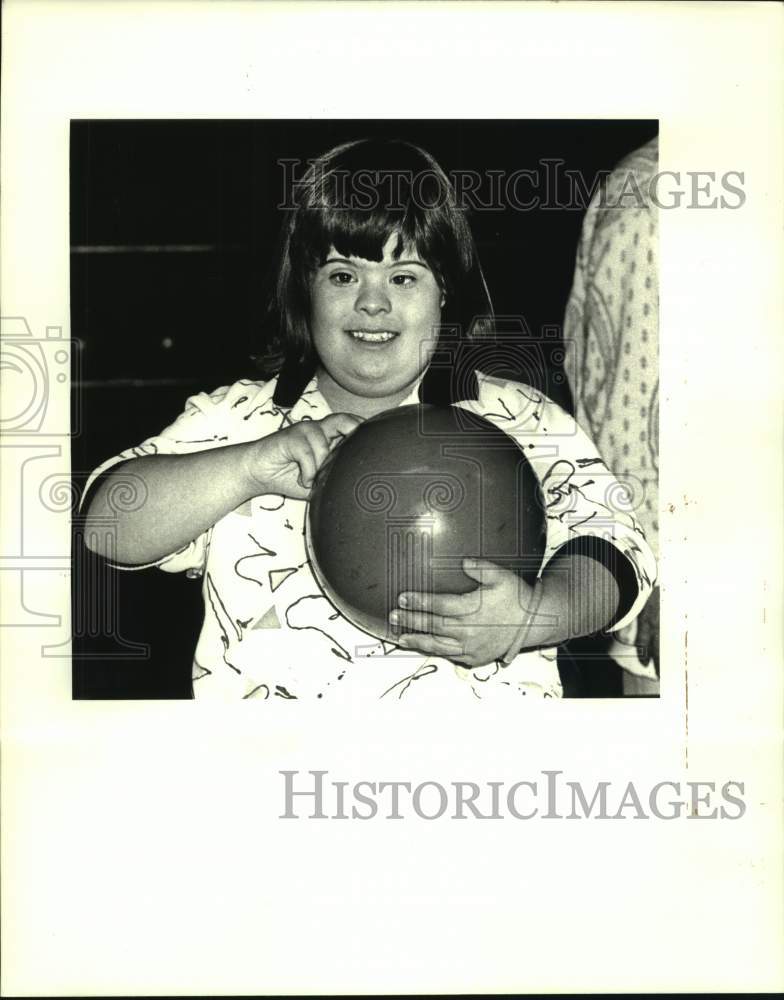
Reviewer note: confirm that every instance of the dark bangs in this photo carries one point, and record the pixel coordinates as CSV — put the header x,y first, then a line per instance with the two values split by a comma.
x,y
359,195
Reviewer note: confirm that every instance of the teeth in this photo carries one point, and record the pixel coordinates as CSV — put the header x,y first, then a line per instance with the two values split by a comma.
x,y
374,336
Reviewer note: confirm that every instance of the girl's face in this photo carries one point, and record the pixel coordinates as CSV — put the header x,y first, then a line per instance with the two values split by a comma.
x,y
374,324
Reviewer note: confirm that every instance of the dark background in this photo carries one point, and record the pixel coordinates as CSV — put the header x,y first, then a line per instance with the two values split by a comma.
x,y
173,232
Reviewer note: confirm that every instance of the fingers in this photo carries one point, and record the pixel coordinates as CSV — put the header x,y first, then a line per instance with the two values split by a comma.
x,y
316,435
301,451
433,645
309,443
337,426
312,444
287,461
469,652
483,571
451,605
324,435
420,621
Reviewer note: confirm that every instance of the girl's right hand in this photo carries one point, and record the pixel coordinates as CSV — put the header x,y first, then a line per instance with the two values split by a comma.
x,y
287,461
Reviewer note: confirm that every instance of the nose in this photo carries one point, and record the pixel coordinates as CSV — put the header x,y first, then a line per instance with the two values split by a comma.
x,y
372,298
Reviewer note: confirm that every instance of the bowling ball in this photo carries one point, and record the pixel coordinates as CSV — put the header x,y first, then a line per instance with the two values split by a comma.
x,y
405,497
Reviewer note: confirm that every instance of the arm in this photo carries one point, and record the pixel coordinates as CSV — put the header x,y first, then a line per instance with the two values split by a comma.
x,y
577,595
180,496
581,592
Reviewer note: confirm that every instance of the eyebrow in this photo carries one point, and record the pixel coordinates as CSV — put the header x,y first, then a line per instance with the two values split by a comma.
x,y
397,263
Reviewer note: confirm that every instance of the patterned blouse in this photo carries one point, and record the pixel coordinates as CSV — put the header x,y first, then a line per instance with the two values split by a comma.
x,y
270,633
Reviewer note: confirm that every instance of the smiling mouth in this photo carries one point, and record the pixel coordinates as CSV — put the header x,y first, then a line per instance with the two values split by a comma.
x,y
373,336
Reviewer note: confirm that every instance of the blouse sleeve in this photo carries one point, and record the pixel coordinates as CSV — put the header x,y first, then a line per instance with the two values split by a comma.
x,y
205,422
582,498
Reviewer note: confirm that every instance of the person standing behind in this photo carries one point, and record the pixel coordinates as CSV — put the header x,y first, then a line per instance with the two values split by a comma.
x,y
611,331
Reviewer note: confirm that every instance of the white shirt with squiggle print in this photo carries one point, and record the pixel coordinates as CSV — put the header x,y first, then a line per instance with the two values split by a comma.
x,y
270,633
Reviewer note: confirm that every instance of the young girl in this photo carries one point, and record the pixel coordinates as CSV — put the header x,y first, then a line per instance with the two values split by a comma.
x,y
379,302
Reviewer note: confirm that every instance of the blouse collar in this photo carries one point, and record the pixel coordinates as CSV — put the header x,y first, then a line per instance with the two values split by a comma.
x,y
313,404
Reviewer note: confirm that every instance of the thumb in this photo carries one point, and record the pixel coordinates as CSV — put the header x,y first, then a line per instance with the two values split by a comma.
x,y
339,425
482,570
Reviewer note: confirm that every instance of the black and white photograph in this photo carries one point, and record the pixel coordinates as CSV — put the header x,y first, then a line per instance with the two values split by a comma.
x,y
522,261
390,509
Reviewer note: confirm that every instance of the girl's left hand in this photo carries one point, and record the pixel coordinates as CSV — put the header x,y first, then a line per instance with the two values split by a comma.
x,y
472,629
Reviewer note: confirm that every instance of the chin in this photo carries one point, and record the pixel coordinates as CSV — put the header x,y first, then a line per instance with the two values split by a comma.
x,y
373,389
378,391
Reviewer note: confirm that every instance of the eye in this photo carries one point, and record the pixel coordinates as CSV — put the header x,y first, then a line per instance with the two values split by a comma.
x,y
404,280
341,277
